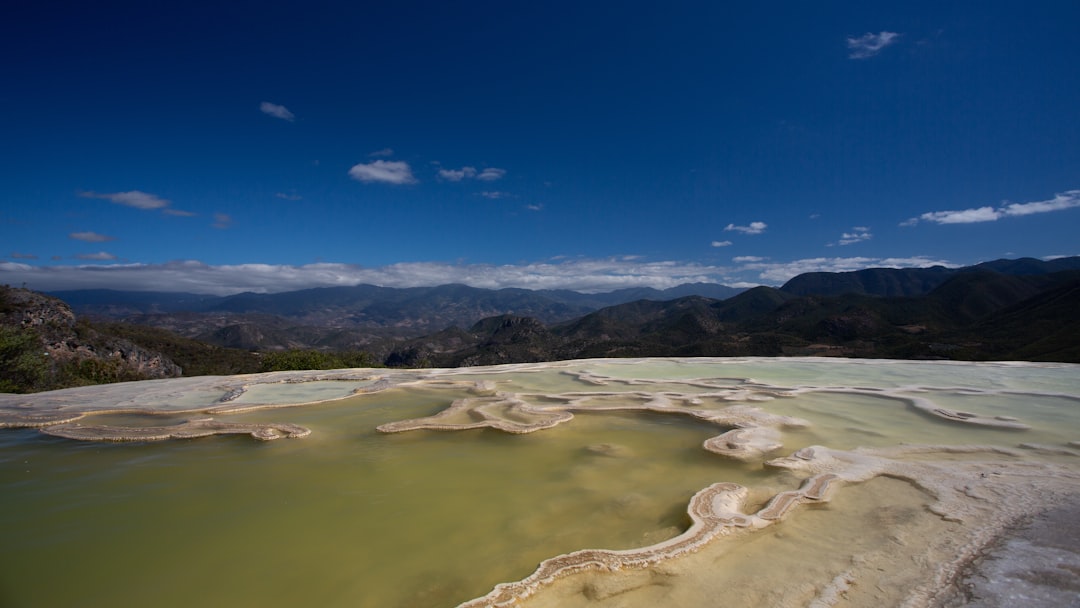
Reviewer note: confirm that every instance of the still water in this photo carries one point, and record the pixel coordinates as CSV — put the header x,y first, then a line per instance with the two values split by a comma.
x,y
352,517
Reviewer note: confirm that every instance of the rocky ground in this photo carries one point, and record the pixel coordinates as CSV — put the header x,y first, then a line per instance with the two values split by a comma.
x,y
1037,564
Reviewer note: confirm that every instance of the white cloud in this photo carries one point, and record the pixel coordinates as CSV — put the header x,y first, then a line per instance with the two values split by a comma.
x,y
289,197
383,171
753,228
456,175
1061,201
587,275
859,234
580,274
134,198
491,174
868,44
964,216
781,272
383,152
1064,200
487,175
721,243
534,207
276,111
91,237
101,255
495,195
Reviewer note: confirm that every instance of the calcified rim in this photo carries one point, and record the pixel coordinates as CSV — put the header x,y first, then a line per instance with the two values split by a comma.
x,y
201,427
156,397
714,511
165,396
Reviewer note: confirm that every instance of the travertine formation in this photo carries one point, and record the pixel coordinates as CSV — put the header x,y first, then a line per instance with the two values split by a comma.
x,y
57,412
200,427
984,487
715,511
986,496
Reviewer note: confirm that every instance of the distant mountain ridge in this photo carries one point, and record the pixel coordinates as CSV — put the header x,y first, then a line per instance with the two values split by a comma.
x,y
977,315
881,312
404,311
913,281
109,302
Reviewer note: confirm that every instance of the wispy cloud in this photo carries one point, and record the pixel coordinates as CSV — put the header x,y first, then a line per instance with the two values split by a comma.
x,y
753,228
383,171
133,198
1060,202
15,255
495,194
91,237
721,243
276,111
1065,200
965,216
456,175
178,212
491,174
535,207
748,259
288,197
383,152
869,44
222,221
857,235
139,200
99,256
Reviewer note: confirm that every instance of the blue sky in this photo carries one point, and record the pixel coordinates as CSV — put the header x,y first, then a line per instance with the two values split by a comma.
x,y
279,145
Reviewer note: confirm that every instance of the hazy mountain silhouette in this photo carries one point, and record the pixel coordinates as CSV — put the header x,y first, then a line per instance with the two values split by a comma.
x,y
1000,309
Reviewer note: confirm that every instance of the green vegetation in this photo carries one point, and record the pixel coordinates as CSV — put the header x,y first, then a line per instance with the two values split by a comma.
x,y
24,366
43,346
198,358
88,370
313,359
195,358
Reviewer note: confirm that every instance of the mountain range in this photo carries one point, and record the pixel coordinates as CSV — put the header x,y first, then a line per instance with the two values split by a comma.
x,y
1005,309
345,318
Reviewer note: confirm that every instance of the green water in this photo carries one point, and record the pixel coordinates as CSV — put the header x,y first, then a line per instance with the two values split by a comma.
x,y
352,517
345,517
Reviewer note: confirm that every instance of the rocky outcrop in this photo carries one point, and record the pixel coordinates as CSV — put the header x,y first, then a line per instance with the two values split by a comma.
x,y
31,309
76,352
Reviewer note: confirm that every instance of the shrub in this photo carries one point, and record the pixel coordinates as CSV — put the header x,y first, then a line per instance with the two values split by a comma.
x,y
312,359
24,366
